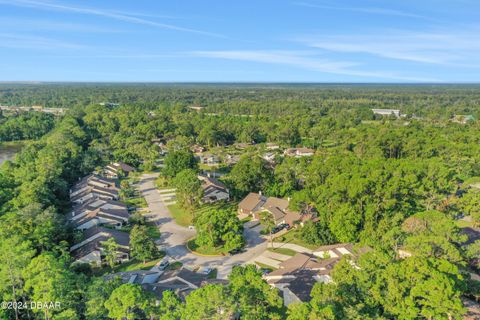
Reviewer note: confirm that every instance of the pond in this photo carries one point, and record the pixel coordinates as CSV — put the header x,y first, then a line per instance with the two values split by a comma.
x,y
8,150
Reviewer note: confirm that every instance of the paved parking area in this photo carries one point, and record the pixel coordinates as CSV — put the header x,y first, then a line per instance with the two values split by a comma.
x,y
174,236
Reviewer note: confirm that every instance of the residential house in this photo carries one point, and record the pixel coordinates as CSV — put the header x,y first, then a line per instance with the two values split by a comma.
x,y
387,112
92,180
116,169
92,192
463,118
255,203
231,159
296,276
213,190
90,249
112,217
209,159
272,146
92,204
269,157
299,152
197,149
181,281
243,145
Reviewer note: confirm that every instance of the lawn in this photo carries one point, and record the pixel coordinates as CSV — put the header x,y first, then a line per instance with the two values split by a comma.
x,y
136,265
293,236
264,266
182,217
129,266
206,250
464,224
285,251
152,230
175,265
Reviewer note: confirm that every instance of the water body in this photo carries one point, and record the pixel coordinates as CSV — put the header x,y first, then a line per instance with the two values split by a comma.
x,y
8,150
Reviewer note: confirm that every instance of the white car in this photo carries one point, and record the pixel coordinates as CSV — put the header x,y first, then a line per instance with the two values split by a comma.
x,y
191,227
204,270
162,265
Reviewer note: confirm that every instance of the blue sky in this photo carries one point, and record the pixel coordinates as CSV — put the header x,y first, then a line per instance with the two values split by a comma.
x,y
240,41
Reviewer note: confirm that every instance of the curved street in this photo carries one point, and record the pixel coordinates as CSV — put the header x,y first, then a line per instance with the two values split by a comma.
x,y
174,236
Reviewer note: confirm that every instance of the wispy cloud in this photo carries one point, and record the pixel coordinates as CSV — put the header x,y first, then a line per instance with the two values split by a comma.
x,y
18,41
105,13
443,48
39,24
366,10
305,60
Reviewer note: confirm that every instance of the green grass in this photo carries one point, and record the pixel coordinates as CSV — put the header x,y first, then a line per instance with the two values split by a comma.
x,y
182,217
246,219
464,224
206,250
293,236
264,266
285,251
175,265
163,191
136,265
128,266
207,167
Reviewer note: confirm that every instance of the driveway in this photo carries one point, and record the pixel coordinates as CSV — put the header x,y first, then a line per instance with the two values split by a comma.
x,y
174,236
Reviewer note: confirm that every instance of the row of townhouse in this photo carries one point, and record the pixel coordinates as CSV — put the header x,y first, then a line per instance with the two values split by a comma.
x,y
181,281
98,214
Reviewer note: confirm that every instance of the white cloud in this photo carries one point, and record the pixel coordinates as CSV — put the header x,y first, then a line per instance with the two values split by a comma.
x,y
17,41
304,60
443,48
367,10
105,13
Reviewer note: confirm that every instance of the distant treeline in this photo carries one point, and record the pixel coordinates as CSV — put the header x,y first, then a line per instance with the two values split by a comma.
x,y
432,101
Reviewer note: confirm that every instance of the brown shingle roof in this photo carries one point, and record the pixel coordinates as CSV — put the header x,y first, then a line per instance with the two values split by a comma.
x,y
251,201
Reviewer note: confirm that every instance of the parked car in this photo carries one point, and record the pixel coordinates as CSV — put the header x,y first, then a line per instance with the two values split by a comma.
x,y
285,226
163,264
204,270
191,227
236,251
265,271
276,229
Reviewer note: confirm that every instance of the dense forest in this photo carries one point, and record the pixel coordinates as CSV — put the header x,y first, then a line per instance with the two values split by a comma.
x,y
382,182
432,101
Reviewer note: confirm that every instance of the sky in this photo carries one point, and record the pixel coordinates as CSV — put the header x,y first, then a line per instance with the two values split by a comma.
x,y
240,41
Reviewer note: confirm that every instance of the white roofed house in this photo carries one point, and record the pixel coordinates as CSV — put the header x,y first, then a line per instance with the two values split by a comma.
x,y
209,159
117,169
213,190
299,152
387,112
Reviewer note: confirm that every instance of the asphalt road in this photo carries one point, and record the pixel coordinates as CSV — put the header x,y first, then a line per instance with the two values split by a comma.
x,y
174,236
